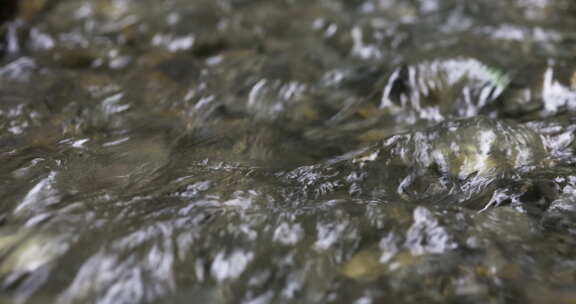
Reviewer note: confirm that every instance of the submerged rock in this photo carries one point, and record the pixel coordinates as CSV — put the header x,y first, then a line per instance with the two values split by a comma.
x,y
26,258
479,145
456,160
461,160
120,165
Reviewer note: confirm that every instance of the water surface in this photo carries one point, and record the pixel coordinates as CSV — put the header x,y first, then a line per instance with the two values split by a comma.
x,y
288,151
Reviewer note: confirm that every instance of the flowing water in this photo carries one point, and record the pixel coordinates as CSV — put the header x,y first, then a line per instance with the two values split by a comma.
x,y
288,151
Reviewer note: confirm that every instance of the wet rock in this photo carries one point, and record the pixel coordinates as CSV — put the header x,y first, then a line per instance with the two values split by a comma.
x,y
26,257
435,90
479,145
459,155
372,263
365,265
561,215
510,224
457,160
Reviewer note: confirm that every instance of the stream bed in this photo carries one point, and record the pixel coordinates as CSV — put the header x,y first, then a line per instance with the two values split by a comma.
x,y
288,151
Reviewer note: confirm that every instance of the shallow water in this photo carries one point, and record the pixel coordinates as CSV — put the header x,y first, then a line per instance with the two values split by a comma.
x,y
246,151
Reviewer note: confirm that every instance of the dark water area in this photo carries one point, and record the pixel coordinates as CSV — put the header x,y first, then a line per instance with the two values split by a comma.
x,y
288,151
